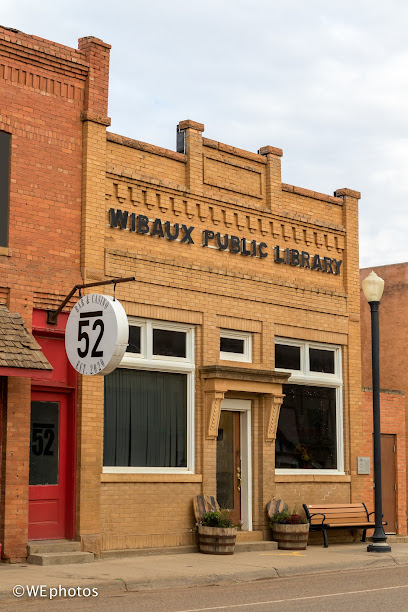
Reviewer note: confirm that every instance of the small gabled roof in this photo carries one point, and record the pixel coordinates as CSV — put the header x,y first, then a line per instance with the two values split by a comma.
x,y
18,348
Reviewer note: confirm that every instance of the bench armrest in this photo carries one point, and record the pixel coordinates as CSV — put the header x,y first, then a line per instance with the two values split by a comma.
x,y
317,514
384,522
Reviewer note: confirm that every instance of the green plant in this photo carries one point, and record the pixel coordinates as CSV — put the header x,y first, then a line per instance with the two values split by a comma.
x,y
287,518
217,518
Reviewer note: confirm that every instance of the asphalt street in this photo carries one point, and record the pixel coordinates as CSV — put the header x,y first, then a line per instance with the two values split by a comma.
x,y
353,590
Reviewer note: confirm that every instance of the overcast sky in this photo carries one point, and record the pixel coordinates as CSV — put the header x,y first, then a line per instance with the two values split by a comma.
x,y
325,80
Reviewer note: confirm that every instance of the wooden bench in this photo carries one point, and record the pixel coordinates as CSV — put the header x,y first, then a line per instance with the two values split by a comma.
x,y
322,517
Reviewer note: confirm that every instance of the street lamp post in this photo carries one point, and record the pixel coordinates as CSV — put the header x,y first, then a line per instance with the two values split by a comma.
x,y
373,287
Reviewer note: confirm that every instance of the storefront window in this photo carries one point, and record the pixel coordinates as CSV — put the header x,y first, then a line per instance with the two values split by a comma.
x,y
306,435
149,401
309,434
145,419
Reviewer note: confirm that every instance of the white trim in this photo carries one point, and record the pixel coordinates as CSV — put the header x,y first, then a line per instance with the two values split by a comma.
x,y
244,407
110,469
293,472
246,356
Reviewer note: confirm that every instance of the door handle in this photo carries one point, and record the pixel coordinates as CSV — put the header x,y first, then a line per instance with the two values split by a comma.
x,y
239,478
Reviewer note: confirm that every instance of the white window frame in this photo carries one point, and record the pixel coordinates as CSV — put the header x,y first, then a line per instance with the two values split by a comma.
x,y
246,356
160,363
305,376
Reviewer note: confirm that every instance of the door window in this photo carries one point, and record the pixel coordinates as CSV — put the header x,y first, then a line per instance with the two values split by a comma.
x,y
44,443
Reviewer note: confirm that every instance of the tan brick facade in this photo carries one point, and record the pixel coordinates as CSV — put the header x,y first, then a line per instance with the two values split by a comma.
x,y
218,188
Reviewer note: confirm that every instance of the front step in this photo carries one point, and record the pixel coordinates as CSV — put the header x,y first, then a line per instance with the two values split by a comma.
x,y
56,552
38,547
253,536
61,558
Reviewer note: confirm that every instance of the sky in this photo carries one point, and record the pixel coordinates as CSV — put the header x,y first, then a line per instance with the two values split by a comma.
x,y
324,80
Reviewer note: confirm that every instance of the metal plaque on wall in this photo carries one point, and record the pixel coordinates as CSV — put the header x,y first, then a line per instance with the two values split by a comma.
x,y
363,465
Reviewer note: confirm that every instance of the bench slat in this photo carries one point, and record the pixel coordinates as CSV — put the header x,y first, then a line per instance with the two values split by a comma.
x,y
359,505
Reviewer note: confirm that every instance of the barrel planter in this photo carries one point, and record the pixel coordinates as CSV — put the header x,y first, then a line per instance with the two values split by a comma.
x,y
291,537
217,540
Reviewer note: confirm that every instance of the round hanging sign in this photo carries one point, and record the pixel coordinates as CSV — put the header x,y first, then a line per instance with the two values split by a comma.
x,y
97,334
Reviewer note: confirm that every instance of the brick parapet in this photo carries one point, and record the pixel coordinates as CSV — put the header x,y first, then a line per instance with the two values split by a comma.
x,y
144,146
236,152
47,55
315,195
97,85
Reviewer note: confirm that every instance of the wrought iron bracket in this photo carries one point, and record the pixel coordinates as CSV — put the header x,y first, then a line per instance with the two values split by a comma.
x,y
52,315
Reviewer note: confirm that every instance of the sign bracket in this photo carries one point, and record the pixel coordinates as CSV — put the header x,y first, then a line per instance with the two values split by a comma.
x,y
52,315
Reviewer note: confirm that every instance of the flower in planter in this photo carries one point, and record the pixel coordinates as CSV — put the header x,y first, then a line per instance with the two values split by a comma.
x,y
286,518
217,518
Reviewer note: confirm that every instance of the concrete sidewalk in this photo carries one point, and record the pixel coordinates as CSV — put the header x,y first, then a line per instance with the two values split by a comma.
x,y
164,571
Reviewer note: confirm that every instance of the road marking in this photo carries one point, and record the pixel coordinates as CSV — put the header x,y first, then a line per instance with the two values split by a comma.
x,y
273,601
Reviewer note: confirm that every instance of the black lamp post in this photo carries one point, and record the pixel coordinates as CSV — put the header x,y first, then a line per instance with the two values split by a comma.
x,y
373,287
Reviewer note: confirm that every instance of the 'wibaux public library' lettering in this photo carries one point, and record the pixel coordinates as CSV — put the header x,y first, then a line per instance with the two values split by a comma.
x,y
223,242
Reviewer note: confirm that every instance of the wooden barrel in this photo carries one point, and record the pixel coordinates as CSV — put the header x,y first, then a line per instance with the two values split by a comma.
x,y
217,540
291,537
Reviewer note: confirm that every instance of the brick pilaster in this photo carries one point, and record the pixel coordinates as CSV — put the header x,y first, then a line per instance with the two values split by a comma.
x,y
194,151
352,381
273,177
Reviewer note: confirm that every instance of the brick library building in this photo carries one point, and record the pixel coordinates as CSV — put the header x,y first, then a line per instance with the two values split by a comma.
x,y
242,376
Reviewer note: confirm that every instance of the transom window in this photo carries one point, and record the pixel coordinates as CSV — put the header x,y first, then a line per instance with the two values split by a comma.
x,y
310,427
149,401
235,345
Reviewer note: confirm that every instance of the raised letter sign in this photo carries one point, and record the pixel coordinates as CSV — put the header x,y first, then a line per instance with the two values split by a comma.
x,y
96,335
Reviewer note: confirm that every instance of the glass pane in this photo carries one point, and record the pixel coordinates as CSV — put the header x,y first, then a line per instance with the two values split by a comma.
x,y
225,461
306,435
44,443
321,361
145,419
232,345
134,340
169,343
287,357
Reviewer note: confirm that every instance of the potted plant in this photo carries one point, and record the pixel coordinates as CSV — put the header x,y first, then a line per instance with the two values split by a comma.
x,y
290,530
216,533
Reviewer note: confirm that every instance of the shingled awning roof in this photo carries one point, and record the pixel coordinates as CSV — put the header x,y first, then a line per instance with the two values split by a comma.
x,y
20,353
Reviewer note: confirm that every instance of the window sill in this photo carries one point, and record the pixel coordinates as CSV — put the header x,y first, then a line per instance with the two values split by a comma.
x,y
5,251
302,477
151,477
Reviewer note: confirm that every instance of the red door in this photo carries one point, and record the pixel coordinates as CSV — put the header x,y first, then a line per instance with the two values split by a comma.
x,y
48,466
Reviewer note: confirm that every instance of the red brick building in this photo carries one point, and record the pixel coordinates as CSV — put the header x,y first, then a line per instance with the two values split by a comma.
x,y
49,96
394,389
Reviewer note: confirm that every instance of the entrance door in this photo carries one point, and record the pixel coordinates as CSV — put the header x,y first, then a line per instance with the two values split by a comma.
x,y
229,474
48,466
388,482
